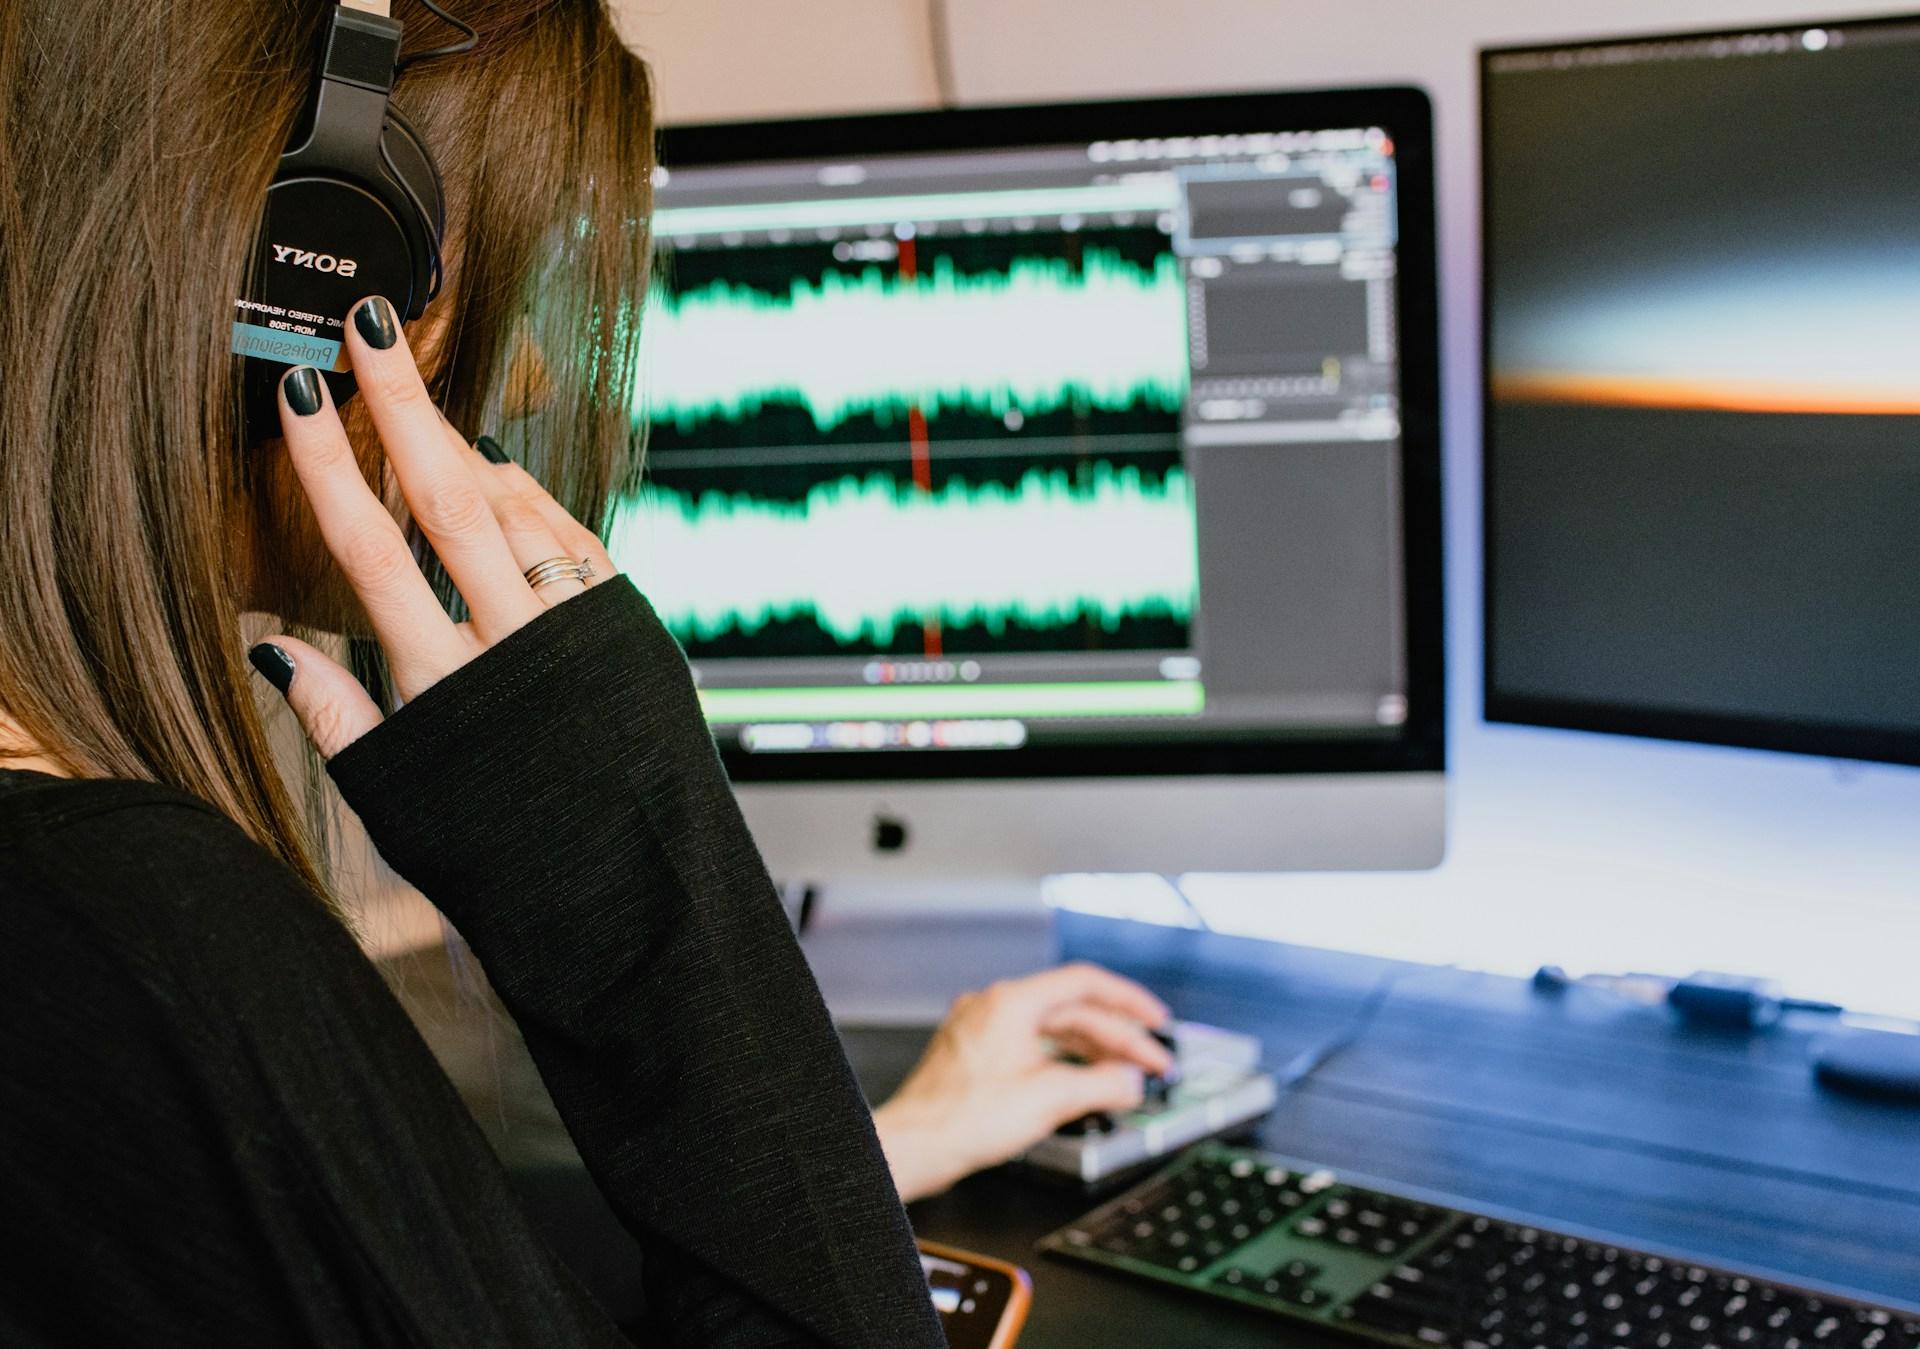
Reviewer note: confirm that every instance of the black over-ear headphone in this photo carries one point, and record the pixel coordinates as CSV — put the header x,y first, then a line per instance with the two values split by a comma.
x,y
356,208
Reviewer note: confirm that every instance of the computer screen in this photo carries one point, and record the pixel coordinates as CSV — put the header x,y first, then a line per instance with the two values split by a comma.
x,y
1055,440
1703,360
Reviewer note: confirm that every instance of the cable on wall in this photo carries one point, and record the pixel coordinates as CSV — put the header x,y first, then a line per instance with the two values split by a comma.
x,y
940,33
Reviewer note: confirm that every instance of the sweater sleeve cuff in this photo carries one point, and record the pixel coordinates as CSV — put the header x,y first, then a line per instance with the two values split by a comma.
x,y
460,788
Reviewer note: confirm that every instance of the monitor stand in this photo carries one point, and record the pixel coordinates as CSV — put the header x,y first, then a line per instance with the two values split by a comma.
x,y
897,954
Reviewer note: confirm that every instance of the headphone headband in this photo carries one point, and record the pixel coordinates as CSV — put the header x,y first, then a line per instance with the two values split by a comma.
x,y
356,208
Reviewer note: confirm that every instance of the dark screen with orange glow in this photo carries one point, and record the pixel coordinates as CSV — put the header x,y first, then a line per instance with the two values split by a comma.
x,y
1703,420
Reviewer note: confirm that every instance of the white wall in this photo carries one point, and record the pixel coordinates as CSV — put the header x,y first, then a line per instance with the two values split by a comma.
x,y
1589,851
721,60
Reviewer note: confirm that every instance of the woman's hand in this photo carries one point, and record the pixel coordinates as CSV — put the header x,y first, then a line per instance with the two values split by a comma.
x,y
993,1082
487,522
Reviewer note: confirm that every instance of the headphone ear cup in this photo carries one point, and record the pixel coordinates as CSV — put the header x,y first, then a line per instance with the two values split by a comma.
x,y
433,192
407,155
299,282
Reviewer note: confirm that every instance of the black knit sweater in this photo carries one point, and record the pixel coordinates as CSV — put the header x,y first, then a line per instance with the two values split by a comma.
x,y
218,1127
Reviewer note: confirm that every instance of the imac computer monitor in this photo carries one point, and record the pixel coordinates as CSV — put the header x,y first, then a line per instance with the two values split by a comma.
x,y
1703,387
1056,488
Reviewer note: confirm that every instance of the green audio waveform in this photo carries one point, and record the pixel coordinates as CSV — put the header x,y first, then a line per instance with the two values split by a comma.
x,y
1040,336
864,557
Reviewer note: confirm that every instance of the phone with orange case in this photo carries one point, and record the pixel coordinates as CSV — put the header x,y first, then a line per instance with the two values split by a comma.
x,y
982,1302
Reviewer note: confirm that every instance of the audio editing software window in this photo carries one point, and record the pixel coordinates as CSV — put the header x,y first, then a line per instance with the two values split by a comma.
x,y
991,448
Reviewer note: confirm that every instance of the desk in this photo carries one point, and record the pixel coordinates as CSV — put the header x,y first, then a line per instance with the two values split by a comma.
x,y
1579,1108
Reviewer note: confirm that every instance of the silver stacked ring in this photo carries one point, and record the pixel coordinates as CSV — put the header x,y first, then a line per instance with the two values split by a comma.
x,y
559,569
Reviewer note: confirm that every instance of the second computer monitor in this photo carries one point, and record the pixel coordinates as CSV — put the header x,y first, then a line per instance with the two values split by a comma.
x,y
1703,387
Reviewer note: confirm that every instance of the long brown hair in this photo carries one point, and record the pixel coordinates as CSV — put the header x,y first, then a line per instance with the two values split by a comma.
x,y
136,145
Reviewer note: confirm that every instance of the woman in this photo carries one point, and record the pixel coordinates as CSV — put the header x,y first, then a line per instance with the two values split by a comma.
x,y
216,1125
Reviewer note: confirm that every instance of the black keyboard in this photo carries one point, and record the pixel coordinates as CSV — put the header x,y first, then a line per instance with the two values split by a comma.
x,y
1302,1243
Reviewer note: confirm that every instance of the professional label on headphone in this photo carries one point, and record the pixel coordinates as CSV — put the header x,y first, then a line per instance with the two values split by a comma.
x,y
272,332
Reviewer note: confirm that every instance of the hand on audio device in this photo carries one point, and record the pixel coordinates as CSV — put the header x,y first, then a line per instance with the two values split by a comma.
x,y
490,524
994,1081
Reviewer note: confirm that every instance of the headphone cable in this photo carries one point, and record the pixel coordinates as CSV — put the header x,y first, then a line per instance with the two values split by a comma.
x,y
469,40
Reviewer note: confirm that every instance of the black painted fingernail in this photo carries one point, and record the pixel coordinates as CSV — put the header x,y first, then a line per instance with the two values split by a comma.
x,y
374,319
303,390
275,666
490,447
